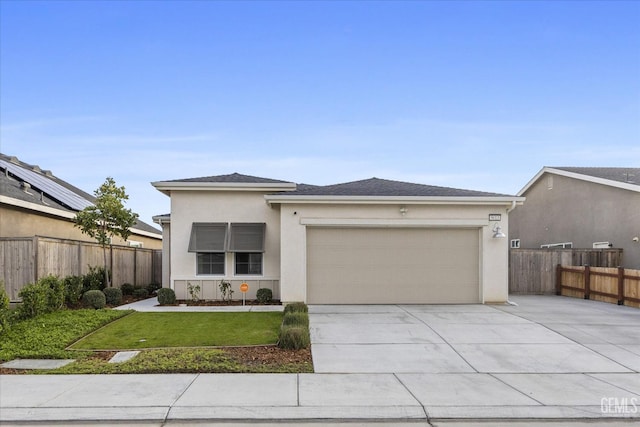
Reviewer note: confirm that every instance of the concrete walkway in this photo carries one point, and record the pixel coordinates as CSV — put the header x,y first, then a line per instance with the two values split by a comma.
x,y
151,305
458,386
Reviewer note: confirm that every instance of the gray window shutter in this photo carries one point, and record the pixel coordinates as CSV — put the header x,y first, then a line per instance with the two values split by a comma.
x,y
247,237
208,237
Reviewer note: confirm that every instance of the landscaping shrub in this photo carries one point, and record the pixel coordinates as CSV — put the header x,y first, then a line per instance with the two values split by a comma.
x,y
127,289
140,293
44,296
5,313
296,319
94,299
166,296
264,295
113,296
153,287
55,292
72,290
94,279
294,338
296,307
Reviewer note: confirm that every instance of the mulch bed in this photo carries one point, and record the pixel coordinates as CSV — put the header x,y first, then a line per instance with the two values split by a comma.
x,y
219,303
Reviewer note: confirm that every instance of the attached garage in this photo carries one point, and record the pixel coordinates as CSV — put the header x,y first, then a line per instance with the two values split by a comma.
x,y
393,265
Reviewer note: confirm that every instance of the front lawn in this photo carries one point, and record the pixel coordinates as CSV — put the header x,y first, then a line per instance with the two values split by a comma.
x,y
160,330
49,335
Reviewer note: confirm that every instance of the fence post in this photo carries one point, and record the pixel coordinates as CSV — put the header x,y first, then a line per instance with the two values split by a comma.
x,y
620,286
559,279
587,282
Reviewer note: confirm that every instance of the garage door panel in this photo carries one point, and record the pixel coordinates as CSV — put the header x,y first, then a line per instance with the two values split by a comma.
x,y
377,265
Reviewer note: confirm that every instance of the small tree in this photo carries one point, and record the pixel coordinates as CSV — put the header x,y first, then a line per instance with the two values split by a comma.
x,y
107,218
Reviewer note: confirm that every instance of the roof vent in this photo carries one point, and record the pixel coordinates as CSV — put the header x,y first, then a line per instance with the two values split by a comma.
x,y
14,159
25,186
48,173
36,169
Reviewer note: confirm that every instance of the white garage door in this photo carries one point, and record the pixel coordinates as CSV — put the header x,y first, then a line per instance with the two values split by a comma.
x,y
392,266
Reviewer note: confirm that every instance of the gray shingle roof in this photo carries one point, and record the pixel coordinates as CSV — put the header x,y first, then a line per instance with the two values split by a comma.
x,y
10,186
387,188
626,175
233,178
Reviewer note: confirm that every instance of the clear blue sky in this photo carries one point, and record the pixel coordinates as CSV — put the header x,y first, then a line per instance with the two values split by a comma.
x,y
477,95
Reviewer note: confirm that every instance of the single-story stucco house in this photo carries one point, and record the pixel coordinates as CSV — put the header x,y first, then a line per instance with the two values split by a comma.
x,y
373,241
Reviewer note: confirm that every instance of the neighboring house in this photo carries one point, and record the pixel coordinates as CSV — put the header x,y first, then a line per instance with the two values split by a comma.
x,y
366,242
581,208
34,202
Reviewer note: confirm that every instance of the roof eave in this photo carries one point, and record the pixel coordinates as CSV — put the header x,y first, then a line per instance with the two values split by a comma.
x,y
167,186
582,177
426,200
69,215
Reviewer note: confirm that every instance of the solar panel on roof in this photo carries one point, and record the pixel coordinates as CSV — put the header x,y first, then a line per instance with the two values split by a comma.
x,y
47,186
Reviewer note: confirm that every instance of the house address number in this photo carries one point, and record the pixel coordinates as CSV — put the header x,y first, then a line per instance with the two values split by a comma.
x,y
495,217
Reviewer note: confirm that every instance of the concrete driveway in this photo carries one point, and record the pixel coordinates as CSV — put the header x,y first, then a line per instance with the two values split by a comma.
x,y
541,335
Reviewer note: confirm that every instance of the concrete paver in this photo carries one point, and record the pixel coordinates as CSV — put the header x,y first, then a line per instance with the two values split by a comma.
x,y
37,363
123,356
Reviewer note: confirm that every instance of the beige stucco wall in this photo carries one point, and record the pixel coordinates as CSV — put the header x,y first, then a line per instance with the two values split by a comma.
x,y
580,212
188,207
296,217
18,222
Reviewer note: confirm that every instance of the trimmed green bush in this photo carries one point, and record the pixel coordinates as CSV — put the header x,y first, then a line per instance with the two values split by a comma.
x,y
153,287
5,313
94,299
94,279
72,290
294,338
166,296
296,307
55,292
34,300
296,319
264,295
140,293
127,289
113,296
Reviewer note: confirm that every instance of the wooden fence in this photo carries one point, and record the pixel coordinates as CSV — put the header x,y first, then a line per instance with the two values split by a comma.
x,y
532,271
615,285
25,260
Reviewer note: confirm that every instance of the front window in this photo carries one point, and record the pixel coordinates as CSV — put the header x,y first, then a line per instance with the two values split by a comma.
x,y
210,263
249,263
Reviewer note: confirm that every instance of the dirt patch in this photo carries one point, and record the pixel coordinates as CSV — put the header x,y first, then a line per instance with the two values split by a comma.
x,y
268,355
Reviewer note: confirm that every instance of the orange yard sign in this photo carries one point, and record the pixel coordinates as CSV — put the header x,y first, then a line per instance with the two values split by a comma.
x,y
244,287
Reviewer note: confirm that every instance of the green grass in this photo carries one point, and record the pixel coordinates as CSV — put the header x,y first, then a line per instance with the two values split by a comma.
x,y
48,335
157,330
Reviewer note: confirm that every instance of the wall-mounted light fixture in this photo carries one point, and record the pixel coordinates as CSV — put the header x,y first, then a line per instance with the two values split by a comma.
x,y
497,232
403,210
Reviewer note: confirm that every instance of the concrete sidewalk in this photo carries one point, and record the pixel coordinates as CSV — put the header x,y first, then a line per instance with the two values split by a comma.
x,y
151,305
311,397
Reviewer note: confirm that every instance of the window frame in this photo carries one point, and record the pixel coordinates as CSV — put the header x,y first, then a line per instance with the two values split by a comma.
x,y
223,263
249,263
